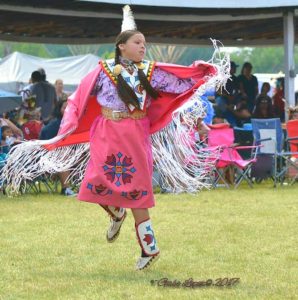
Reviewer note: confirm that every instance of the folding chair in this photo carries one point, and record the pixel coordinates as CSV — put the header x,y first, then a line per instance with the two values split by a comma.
x,y
46,180
38,184
269,134
292,139
244,137
229,157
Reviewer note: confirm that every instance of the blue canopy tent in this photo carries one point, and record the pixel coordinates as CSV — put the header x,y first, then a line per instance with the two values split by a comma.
x,y
9,101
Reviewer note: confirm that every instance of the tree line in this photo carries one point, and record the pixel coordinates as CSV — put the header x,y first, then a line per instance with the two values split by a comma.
x,y
263,59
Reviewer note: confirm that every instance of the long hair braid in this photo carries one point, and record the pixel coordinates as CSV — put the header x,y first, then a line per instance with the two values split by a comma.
x,y
146,84
125,92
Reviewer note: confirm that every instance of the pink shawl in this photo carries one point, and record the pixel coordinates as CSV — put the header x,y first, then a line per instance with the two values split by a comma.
x,y
82,108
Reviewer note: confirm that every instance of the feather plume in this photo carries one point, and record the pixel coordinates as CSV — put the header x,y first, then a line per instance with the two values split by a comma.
x,y
128,22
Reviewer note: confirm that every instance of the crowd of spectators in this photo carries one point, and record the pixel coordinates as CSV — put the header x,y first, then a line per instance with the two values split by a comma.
x,y
241,100
39,116
43,106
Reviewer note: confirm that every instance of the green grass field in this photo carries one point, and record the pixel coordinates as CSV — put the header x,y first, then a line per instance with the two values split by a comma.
x,y
54,247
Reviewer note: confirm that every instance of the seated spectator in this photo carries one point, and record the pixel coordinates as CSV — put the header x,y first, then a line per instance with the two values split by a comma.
x,y
14,130
264,99
25,90
31,129
218,117
7,137
248,85
293,113
218,120
242,114
238,114
201,130
265,89
264,108
61,95
44,93
49,131
29,111
227,98
208,109
29,118
278,99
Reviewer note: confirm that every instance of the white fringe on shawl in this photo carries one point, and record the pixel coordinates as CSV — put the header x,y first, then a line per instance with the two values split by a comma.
x,y
29,160
181,166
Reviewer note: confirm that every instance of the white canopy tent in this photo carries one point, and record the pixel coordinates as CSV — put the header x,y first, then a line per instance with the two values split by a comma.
x,y
16,69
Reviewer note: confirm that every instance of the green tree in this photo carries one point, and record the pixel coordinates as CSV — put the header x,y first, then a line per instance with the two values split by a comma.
x,y
84,49
263,59
57,50
7,48
195,53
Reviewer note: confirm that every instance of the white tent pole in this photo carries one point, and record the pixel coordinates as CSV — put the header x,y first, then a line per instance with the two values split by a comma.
x,y
289,42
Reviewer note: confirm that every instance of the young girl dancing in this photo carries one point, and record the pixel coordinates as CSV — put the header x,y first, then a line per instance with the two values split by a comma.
x,y
121,103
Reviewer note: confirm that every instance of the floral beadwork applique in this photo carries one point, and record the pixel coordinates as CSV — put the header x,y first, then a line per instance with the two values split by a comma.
x,y
134,195
99,189
119,169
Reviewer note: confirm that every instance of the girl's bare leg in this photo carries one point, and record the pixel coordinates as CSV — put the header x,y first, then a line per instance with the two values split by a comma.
x,y
140,214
